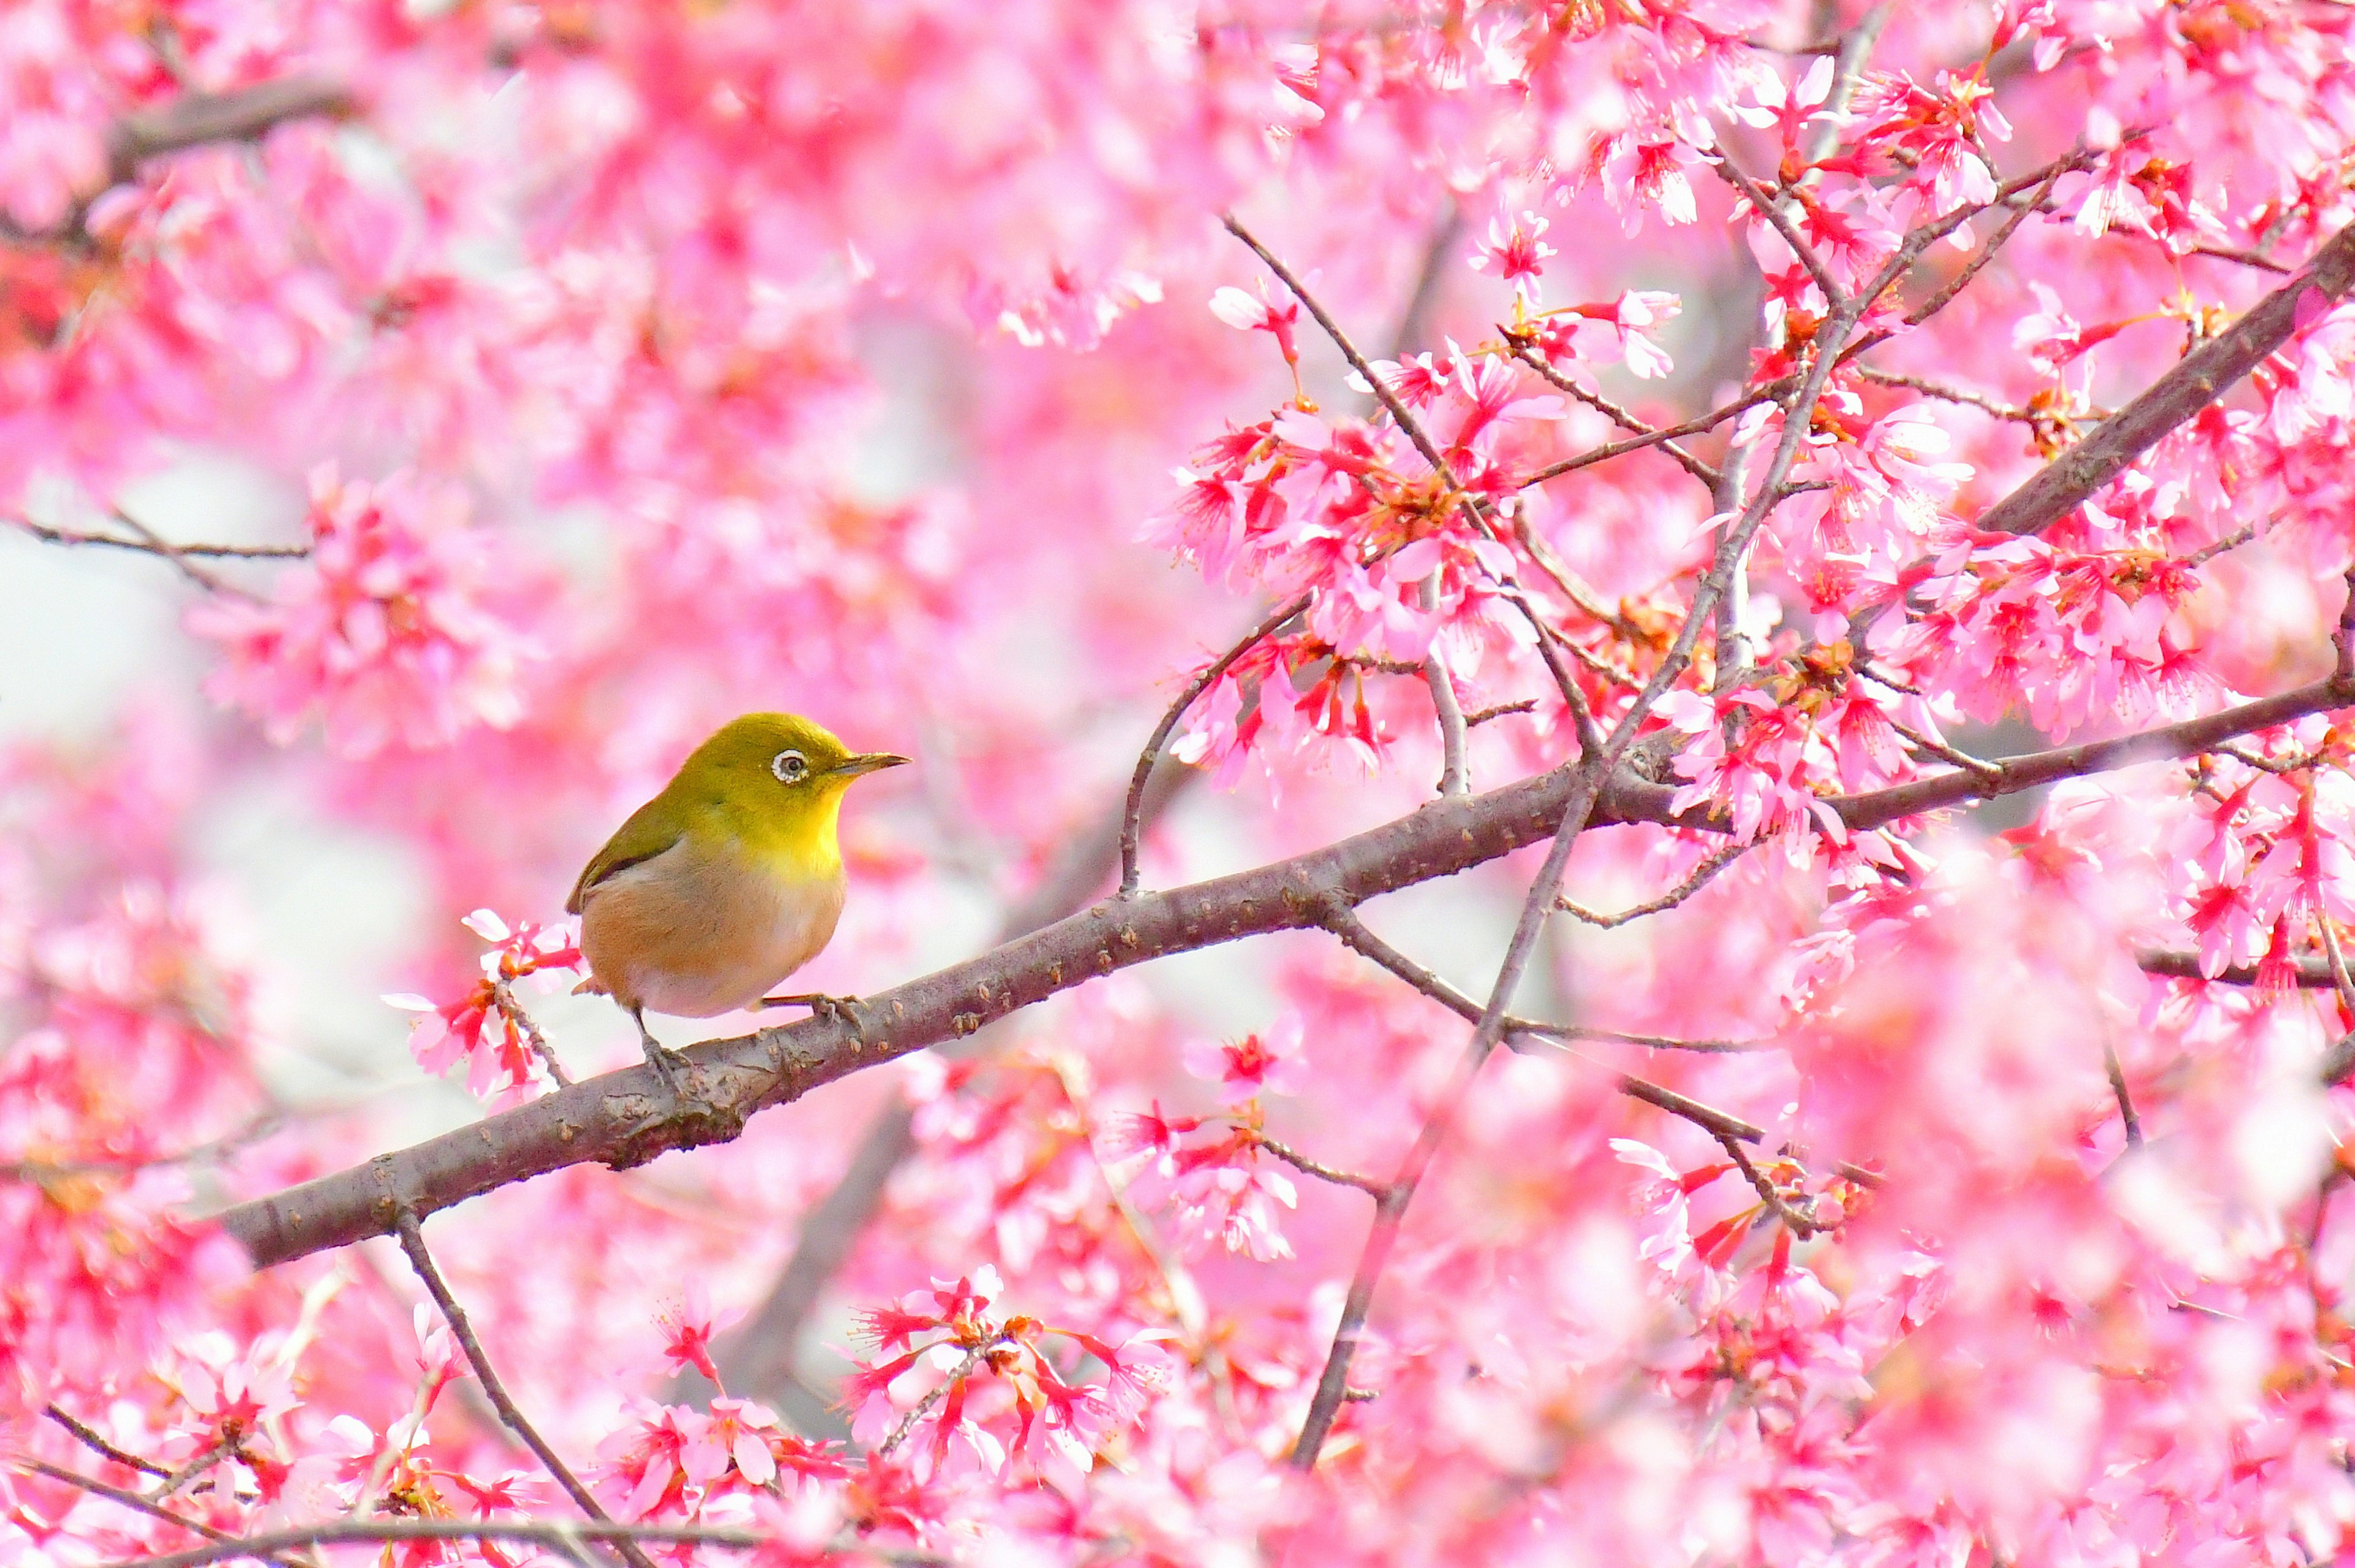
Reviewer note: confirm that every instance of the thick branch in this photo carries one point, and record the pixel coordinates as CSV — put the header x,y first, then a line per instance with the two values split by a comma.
x,y
2202,376
626,1118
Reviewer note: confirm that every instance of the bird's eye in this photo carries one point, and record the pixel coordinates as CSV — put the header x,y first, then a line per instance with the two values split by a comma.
x,y
790,767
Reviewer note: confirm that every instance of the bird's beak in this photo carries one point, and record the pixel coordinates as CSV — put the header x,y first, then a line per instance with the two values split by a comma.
x,y
868,762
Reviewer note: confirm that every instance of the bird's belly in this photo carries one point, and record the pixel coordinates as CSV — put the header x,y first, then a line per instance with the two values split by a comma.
x,y
694,937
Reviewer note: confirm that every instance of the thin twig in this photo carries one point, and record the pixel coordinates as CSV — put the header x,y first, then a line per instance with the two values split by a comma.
x,y
2246,257
210,1455
133,1501
340,1531
413,1242
1132,820
48,535
1343,923
2231,542
1538,1029
1582,716
98,1443
1945,293
1939,749
1770,209
1454,769
1525,352
502,994
1298,1161
1802,1223
1698,879
1501,711
1945,393
2307,974
2339,978
964,1370
2125,1101
1694,426
179,558
1399,411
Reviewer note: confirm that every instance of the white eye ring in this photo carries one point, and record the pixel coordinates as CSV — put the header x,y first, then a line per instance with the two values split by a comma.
x,y
790,767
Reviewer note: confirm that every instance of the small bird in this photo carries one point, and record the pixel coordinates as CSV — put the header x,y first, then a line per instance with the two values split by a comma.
x,y
727,881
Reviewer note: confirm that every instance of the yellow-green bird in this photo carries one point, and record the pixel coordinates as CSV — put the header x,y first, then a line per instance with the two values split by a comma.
x,y
727,881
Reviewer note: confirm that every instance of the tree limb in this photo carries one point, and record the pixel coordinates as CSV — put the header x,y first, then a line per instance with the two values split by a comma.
x,y
413,1242
2200,378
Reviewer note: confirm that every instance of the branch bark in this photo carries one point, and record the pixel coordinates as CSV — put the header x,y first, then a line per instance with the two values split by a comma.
x,y
203,119
626,1118
2202,376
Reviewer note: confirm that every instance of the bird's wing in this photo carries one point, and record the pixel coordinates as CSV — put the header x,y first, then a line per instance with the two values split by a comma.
x,y
642,838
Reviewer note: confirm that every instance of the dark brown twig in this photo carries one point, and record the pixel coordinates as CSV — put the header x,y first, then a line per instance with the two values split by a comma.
x,y
1700,878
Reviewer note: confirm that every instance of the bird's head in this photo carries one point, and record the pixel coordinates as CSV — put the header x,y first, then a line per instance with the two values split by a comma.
x,y
776,763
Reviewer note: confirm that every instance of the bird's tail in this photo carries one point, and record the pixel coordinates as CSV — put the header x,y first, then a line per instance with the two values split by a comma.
x,y
593,986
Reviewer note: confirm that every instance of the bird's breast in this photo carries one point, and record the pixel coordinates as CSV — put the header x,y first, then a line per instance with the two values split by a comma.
x,y
698,932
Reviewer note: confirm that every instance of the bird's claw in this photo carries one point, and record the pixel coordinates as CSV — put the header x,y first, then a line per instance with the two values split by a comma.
x,y
666,1063
844,1011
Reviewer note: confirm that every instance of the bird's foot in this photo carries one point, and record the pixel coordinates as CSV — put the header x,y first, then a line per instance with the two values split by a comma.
x,y
840,1009
665,1061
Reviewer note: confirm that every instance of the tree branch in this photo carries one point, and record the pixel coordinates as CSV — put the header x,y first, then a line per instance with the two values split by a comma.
x,y
333,1532
413,1242
2200,378
625,1118
2012,774
2308,974
134,1501
96,1441
1132,821
203,119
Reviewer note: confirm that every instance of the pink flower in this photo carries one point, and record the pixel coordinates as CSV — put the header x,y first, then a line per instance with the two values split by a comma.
x,y
385,633
1517,255
1257,1064
1245,313
688,1325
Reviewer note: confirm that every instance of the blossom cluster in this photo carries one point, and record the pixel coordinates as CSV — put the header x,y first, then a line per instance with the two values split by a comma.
x,y
1812,410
